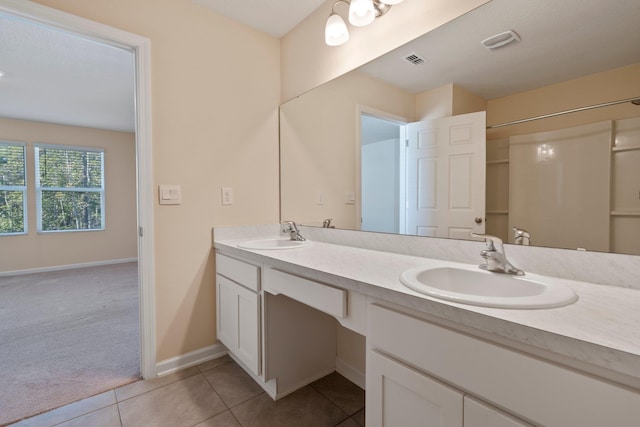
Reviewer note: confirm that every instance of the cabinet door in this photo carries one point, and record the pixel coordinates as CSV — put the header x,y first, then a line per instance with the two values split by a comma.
x,y
479,414
398,395
248,329
238,322
226,324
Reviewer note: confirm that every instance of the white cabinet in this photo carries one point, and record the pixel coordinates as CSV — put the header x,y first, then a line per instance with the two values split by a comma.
x,y
398,395
525,386
238,310
479,414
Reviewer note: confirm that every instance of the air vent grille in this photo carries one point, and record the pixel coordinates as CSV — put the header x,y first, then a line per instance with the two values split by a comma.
x,y
414,58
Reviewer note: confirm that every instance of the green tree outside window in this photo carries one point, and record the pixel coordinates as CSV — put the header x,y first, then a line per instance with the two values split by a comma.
x,y
70,188
12,188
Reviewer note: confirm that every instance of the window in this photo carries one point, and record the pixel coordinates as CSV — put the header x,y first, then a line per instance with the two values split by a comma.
x,y
13,189
69,188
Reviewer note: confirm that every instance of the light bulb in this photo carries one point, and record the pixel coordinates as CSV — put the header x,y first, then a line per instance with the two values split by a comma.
x,y
335,32
390,2
361,12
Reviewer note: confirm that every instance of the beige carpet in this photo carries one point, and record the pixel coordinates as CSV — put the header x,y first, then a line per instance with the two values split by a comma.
x,y
66,335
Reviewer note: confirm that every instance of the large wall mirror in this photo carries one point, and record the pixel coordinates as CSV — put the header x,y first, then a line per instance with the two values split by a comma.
x,y
366,149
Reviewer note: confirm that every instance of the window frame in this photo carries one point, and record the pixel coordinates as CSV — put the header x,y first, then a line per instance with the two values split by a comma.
x,y
39,188
20,188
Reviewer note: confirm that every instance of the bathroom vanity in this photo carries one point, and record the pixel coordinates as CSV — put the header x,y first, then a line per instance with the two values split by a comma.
x,y
428,361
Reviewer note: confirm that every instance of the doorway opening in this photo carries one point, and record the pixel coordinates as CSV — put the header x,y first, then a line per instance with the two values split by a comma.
x,y
423,178
382,155
138,47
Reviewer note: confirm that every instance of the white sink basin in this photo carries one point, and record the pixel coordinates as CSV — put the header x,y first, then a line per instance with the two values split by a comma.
x,y
273,243
484,288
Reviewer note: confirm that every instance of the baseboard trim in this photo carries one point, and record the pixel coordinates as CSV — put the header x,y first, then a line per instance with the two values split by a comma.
x,y
204,354
66,267
352,374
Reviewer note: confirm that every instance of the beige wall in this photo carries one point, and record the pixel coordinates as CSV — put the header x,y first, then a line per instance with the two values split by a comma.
x,y
319,146
435,103
465,102
448,100
619,83
118,240
307,62
215,91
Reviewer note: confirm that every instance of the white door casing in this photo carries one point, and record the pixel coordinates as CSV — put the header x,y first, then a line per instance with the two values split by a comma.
x,y
91,30
446,161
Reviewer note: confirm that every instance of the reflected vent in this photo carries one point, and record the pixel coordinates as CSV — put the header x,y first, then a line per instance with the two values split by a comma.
x,y
414,59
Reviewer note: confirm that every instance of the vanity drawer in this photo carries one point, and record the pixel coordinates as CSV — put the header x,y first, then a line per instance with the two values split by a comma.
x,y
247,275
325,298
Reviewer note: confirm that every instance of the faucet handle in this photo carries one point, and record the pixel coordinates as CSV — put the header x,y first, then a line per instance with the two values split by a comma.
x,y
493,242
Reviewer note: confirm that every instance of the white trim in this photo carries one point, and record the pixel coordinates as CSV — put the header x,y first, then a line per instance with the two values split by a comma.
x,y
352,374
66,267
141,46
174,364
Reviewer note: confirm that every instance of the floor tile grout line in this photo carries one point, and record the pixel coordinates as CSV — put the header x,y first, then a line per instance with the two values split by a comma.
x,y
217,366
153,389
225,403
222,364
86,413
335,403
119,413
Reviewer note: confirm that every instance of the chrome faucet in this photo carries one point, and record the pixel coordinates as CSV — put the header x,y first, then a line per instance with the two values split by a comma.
x,y
495,257
291,228
327,223
521,237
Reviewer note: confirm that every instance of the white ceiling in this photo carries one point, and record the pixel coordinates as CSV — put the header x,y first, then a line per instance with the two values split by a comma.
x,y
560,40
274,17
52,76
56,77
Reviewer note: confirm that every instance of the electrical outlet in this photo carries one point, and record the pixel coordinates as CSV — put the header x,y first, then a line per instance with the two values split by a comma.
x,y
227,196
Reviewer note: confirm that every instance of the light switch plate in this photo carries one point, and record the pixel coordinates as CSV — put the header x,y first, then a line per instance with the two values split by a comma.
x,y
169,194
227,196
350,198
319,198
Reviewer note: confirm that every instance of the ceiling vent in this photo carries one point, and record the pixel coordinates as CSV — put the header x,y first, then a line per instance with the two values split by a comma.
x,y
414,59
500,40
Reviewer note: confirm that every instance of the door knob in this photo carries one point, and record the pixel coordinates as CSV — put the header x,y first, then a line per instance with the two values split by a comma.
x,y
478,220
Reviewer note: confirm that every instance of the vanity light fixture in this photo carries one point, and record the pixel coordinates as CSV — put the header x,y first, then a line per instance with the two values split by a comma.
x,y
361,13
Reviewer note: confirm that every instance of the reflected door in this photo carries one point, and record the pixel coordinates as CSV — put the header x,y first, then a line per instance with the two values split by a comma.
x,y
445,176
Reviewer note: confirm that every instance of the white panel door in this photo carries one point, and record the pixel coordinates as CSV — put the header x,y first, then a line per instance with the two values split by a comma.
x,y
446,162
479,414
398,395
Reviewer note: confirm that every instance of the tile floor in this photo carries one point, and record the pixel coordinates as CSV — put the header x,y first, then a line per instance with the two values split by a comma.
x,y
217,393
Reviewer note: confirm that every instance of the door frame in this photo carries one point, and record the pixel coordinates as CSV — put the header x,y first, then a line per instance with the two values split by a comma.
x,y
383,115
140,46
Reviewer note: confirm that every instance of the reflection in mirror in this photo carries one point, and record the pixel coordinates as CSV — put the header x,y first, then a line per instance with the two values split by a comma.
x,y
570,181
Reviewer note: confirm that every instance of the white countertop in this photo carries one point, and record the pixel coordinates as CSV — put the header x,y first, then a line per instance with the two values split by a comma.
x,y
600,330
